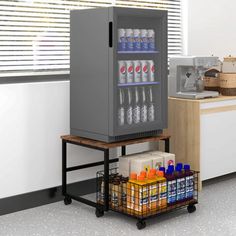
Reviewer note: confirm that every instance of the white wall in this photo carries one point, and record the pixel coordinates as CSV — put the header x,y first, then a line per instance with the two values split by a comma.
x,y
33,116
211,27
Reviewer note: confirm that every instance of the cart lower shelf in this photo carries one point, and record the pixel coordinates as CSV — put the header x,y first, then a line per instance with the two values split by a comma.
x,y
190,204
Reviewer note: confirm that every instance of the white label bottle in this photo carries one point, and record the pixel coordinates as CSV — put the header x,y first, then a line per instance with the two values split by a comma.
x,y
151,107
143,106
121,109
136,110
129,111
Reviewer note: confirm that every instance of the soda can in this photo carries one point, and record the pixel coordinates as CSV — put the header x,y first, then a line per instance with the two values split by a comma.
x,y
122,72
137,71
121,40
144,71
129,39
130,71
151,40
144,40
137,40
151,70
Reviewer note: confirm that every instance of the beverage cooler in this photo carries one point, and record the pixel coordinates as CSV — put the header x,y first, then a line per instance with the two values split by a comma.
x,y
118,73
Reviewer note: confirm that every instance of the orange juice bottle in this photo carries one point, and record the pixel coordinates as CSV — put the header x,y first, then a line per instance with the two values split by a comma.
x,y
131,192
162,201
141,196
153,191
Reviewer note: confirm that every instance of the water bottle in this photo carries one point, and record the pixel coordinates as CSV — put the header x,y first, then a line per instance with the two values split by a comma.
x,y
129,111
151,107
136,110
143,106
121,109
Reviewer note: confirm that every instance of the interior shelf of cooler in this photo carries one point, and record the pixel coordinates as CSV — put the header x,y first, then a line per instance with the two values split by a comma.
x,y
137,52
138,84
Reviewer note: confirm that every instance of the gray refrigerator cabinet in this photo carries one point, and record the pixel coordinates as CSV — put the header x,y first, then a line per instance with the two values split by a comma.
x,y
96,95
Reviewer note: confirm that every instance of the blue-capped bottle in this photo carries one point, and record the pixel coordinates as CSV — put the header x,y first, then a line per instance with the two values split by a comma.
x,y
171,186
189,177
180,183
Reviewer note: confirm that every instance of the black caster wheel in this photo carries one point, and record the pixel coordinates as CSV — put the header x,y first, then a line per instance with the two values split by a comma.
x,y
141,224
191,208
99,213
67,201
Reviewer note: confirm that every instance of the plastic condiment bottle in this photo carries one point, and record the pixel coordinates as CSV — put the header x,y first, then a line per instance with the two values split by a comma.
x,y
180,183
162,201
143,173
153,171
131,192
141,196
171,186
153,191
189,182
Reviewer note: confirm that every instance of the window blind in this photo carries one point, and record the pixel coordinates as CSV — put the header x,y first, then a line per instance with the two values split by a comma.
x,y
34,35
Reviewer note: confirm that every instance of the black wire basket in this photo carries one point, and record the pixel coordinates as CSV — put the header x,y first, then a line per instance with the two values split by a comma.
x,y
150,198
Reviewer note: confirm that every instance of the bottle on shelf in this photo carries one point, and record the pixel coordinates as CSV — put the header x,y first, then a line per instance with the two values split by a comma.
x,y
151,40
151,70
151,107
143,106
130,71
129,39
121,40
137,40
137,71
129,110
136,110
121,109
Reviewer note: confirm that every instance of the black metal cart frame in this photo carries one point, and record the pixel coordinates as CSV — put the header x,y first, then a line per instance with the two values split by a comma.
x,y
68,197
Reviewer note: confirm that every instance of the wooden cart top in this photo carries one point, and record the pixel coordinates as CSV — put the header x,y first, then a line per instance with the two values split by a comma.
x,y
104,145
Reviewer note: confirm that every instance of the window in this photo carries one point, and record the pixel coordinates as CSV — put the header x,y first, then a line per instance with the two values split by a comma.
x,y
34,34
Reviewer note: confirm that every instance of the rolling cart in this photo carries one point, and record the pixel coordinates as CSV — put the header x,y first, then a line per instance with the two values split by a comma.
x,y
104,176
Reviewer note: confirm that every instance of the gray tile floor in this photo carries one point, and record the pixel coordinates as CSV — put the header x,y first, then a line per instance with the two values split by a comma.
x,y
215,215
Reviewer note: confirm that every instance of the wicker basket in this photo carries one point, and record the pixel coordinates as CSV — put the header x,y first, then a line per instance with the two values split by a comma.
x,y
228,84
211,83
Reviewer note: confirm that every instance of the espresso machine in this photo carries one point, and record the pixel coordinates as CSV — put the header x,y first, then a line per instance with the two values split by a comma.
x,y
186,76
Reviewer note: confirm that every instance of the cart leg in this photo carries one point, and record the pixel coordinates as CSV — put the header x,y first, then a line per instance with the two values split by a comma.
x,y
99,212
167,145
141,224
123,150
106,179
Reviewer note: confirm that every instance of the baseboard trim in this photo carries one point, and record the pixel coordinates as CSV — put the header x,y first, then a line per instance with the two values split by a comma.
x,y
43,197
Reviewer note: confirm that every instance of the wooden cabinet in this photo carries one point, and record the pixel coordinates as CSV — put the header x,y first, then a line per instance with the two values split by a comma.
x,y
203,134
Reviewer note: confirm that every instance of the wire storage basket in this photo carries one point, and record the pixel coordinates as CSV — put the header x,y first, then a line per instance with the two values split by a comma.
x,y
149,198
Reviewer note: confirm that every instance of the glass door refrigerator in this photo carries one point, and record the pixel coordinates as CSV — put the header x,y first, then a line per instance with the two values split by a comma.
x,y
118,73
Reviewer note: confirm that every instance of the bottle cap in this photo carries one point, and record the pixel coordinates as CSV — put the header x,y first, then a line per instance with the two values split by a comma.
x,y
179,165
162,169
133,176
141,178
186,167
171,168
169,172
144,173
160,173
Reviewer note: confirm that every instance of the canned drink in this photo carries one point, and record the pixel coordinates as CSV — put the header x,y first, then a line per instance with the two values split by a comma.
x,y
122,72
137,71
144,72
144,40
151,40
121,40
130,71
137,40
151,70
129,39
